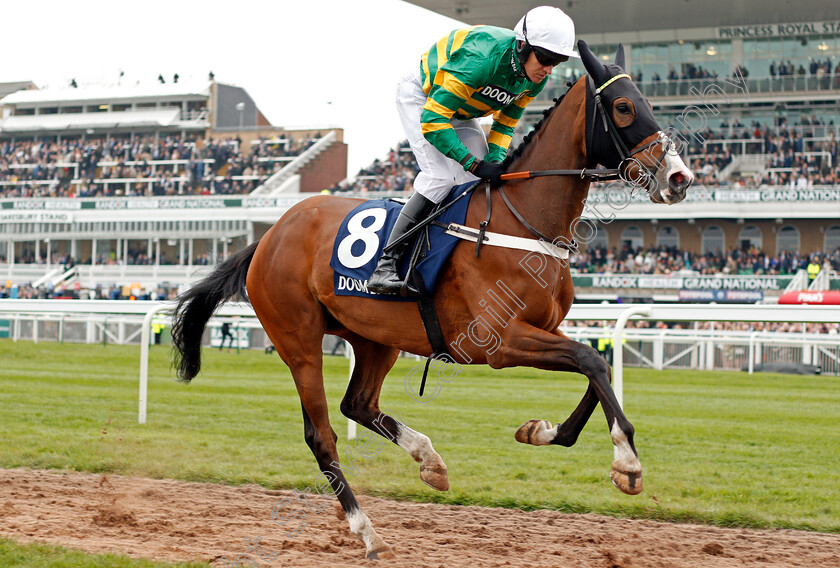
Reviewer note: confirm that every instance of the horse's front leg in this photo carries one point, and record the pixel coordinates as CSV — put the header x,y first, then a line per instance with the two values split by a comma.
x,y
525,345
361,403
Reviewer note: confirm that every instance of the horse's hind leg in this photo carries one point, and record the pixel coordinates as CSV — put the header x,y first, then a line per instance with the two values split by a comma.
x,y
300,347
361,403
529,346
326,455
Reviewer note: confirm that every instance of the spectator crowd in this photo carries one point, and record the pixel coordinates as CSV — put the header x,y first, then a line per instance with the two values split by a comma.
x,y
665,260
800,156
396,173
145,167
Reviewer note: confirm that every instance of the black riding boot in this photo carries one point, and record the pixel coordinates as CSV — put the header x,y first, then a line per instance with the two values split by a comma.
x,y
385,279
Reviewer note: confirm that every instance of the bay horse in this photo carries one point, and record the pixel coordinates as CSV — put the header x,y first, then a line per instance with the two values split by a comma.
x,y
602,119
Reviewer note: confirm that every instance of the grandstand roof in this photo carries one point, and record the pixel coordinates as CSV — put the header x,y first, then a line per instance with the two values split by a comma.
x,y
49,122
8,88
155,91
636,15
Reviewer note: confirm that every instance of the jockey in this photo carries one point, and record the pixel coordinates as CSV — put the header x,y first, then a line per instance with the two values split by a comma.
x,y
470,73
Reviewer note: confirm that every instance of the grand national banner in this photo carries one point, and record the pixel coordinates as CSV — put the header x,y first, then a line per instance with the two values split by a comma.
x,y
643,281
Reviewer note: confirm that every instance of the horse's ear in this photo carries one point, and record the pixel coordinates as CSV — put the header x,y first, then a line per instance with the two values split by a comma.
x,y
619,56
594,67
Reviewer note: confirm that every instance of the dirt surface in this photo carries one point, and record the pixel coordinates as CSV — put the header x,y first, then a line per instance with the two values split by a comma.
x,y
172,520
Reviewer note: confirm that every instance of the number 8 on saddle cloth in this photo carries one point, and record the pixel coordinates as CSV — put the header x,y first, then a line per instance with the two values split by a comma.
x,y
364,232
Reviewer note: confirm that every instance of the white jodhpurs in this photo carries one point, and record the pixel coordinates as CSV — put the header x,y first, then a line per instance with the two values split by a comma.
x,y
437,172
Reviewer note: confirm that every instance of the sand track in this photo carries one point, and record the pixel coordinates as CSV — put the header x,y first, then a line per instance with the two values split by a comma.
x,y
173,520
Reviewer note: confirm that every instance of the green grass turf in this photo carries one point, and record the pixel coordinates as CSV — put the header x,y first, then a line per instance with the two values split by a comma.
x,y
14,555
717,447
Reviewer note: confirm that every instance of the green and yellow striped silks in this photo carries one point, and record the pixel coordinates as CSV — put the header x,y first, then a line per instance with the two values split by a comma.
x,y
474,72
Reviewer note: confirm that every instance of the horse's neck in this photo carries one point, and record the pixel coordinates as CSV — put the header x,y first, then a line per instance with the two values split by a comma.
x,y
553,204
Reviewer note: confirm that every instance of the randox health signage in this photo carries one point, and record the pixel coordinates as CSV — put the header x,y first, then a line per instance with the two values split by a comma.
x,y
629,281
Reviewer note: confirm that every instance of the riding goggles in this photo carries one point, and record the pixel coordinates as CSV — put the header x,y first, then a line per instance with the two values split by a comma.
x,y
546,57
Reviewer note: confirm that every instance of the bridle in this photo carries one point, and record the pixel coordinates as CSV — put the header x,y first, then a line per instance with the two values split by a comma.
x,y
626,156
597,174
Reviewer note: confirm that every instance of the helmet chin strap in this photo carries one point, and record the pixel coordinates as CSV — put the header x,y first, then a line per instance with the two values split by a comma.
x,y
521,55
524,50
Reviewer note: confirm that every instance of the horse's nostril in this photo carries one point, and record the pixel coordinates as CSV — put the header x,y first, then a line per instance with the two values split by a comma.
x,y
678,181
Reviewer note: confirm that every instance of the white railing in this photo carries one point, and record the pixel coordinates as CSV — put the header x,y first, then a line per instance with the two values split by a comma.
x,y
692,349
822,281
710,349
47,277
113,329
799,282
149,276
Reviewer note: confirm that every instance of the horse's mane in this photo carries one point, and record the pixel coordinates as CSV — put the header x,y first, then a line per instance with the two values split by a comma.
x,y
530,136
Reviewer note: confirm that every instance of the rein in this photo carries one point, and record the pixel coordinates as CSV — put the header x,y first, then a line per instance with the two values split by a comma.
x,y
599,174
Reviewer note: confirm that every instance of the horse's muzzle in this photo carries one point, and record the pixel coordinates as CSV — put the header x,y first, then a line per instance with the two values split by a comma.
x,y
678,177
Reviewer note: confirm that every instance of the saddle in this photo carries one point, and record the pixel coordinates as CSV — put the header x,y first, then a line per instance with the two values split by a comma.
x,y
362,236
364,231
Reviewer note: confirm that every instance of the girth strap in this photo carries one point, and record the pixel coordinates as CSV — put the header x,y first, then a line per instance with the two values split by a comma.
x,y
431,323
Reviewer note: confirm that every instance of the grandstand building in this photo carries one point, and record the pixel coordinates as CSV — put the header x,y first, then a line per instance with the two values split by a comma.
x,y
754,94
144,184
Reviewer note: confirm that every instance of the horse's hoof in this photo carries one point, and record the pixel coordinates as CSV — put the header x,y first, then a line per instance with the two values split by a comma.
x,y
535,432
628,482
384,552
435,477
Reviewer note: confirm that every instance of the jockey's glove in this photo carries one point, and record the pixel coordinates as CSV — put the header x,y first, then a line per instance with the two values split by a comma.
x,y
491,171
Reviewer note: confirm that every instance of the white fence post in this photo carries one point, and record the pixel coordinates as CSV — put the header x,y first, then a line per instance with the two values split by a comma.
x,y
806,349
710,349
145,339
618,348
351,355
659,351
618,353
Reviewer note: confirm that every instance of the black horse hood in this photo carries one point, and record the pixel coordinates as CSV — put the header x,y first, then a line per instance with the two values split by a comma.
x,y
613,83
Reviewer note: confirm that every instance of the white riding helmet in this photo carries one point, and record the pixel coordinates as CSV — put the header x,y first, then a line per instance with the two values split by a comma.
x,y
549,28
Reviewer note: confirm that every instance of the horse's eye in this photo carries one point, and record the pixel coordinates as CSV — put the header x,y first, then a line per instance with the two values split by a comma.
x,y
623,108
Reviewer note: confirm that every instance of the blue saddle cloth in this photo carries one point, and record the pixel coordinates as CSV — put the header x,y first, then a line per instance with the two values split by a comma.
x,y
364,233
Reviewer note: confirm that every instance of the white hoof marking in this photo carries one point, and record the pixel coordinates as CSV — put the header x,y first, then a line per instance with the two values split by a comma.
x,y
626,459
543,434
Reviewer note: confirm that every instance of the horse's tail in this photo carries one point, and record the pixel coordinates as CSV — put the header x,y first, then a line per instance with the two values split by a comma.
x,y
196,306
